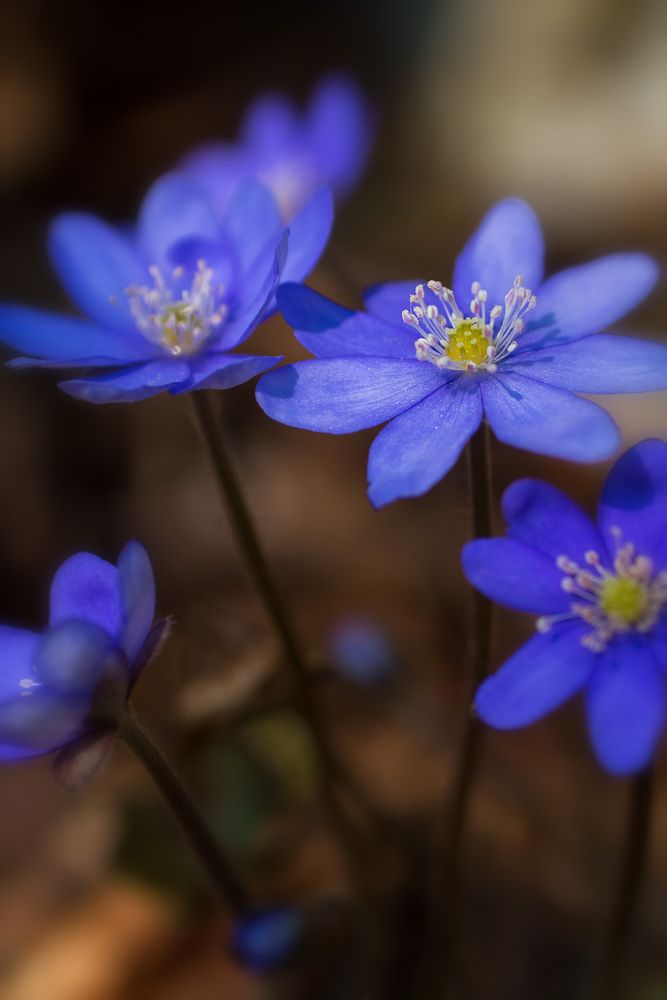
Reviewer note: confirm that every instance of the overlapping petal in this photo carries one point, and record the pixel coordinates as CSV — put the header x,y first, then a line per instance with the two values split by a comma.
x,y
87,588
174,209
58,339
515,575
309,233
541,516
634,499
136,584
129,384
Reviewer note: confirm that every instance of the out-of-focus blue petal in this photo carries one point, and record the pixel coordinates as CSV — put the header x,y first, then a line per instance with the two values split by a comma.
x,y
174,209
309,232
265,939
634,499
539,515
70,656
539,677
129,384
539,417
252,296
602,363
39,721
252,221
58,339
422,444
137,597
17,657
270,126
588,298
87,588
219,168
224,371
515,575
218,254
508,243
95,264
331,331
625,705
341,131
338,396
389,300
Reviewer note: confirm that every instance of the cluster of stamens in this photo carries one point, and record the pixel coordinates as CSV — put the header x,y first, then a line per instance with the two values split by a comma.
x,y
180,325
450,339
612,603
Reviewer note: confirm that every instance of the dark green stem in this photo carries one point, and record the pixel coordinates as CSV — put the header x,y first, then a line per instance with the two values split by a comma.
x,y
609,981
217,866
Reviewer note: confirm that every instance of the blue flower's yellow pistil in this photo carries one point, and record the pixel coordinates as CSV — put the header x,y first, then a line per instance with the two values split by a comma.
x,y
450,339
180,324
630,597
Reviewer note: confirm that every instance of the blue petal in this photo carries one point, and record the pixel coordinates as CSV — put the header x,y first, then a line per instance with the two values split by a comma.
x,y
137,597
338,396
537,679
589,298
331,331
129,384
600,363
634,499
538,417
17,655
70,656
625,706
174,209
388,301
61,339
271,125
218,168
251,222
87,588
341,131
309,232
515,575
96,265
420,446
224,371
40,721
252,296
508,243
540,515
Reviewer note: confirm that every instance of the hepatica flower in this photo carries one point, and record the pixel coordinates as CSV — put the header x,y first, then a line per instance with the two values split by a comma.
x,y
168,302
293,154
600,591
501,345
73,678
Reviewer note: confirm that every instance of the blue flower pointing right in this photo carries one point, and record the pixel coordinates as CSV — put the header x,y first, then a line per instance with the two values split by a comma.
x,y
600,591
501,345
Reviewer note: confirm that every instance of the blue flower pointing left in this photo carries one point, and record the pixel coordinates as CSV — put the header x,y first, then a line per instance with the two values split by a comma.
x,y
501,345
170,301
72,679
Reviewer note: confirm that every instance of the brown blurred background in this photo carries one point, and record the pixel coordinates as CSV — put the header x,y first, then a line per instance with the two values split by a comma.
x,y
562,103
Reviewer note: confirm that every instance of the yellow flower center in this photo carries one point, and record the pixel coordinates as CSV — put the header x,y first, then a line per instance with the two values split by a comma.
x,y
468,342
624,599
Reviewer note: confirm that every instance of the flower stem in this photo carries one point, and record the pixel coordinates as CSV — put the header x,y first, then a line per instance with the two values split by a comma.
x,y
248,539
218,867
609,981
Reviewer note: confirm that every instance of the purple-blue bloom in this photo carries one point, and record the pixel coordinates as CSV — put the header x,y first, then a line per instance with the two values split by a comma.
x,y
53,684
168,302
293,154
502,345
266,939
600,591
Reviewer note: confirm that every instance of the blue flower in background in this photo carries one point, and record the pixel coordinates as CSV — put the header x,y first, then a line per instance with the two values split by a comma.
x,y
502,345
362,651
169,301
98,640
266,939
600,591
292,154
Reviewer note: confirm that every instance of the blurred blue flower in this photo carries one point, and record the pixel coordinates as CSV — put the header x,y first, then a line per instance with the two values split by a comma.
x,y
266,939
361,651
294,155
57,685
600,591
170,300
490,349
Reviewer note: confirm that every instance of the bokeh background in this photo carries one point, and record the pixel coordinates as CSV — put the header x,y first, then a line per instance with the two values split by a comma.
x,y
562,103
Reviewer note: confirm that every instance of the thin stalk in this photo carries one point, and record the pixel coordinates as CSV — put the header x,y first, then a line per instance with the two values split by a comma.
x,y
609,980
248,539
202,841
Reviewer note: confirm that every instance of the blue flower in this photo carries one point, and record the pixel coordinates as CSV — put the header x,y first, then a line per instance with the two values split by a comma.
x,y
362,651
170,300
490,349
293,155
266,939
600,591
63,683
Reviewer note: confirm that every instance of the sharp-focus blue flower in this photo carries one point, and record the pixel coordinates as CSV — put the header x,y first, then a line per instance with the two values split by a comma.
x,y
488,349
168,301
53,684
601,593
293,154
